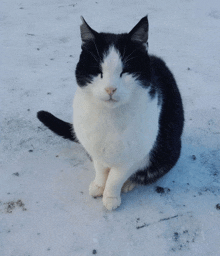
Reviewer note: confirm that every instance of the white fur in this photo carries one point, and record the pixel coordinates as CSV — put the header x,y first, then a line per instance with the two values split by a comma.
x,y
117,134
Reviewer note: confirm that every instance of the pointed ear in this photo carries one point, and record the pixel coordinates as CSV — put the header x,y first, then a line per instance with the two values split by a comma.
x,y
140,32
87,33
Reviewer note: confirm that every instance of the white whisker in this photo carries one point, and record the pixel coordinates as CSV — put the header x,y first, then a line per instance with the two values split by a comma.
x,y
92,55
124,52
97,50
130,55
129,59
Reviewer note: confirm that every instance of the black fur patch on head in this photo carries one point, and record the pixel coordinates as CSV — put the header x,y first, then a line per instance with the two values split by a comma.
x,y
131,47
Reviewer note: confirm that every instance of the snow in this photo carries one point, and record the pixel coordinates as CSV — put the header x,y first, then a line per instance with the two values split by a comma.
x,y
45,208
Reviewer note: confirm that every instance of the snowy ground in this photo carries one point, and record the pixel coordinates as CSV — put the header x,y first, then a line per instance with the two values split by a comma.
x,y
45,208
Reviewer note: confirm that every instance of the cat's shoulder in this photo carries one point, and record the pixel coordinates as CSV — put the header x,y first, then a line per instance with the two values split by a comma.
x,y
158,64
160,73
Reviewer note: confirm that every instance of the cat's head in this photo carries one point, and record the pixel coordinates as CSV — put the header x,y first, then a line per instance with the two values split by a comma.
x,y
112,66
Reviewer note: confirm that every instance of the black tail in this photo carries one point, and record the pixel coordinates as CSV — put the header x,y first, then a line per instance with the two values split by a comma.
x,y
56,125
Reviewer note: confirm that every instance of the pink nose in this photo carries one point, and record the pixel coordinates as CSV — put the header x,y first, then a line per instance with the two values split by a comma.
x,y
110,90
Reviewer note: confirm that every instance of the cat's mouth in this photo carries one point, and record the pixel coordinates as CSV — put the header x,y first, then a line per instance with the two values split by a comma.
x,y
111,100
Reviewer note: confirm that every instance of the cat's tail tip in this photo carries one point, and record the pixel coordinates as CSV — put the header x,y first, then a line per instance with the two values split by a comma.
x,y
43,115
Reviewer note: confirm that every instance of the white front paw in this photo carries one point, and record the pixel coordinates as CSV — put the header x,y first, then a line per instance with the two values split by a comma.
x,y
111,203
95,190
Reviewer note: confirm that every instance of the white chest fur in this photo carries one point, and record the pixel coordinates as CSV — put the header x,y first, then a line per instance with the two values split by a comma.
x,y
115,136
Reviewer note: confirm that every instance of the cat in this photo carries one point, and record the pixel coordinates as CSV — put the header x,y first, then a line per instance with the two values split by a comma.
x,y
128,112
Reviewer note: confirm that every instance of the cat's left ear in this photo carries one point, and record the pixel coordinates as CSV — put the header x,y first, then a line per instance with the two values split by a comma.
x,y
140,32
87,33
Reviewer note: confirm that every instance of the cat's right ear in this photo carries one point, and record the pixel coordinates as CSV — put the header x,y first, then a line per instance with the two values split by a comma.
x,y
87,33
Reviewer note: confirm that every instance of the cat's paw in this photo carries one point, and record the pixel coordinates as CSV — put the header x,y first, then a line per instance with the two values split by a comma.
x,y
128,186
111,203
95,190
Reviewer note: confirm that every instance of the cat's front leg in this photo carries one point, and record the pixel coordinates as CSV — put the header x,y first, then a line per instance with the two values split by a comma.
x,y
112,193
97,186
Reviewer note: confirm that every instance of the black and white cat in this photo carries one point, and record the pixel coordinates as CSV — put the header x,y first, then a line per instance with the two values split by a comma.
x,y
128,113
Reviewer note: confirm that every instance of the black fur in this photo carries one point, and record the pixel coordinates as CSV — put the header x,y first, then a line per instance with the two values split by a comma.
x,y
134,57
167,148
56,125
131,46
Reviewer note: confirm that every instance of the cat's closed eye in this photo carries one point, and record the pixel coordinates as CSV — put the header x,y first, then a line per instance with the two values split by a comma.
x,y
97,72
123,72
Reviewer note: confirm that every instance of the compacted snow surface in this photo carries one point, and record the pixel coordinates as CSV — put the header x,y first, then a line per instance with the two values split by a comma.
x,y
45,208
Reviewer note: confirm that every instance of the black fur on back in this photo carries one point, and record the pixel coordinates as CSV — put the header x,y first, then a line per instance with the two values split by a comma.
x,y
167,148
